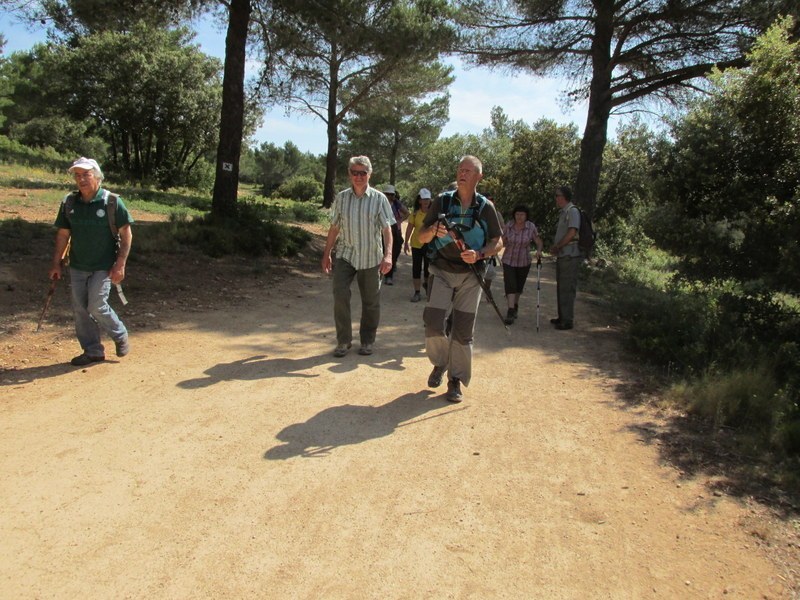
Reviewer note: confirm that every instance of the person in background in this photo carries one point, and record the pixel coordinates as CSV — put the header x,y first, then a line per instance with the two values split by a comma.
x,y
568,261
419,258
519,235
361,220
96,260
400,214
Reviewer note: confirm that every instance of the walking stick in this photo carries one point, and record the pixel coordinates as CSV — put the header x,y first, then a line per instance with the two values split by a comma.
x,y
47,301
53,282
458,238
538,289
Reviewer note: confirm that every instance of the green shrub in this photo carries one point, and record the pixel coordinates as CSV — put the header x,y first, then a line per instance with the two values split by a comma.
x,y
300,188
252,232
13,152
747,399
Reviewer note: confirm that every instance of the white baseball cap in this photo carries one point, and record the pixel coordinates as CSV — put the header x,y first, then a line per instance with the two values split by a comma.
x,y
389,189
89,164
425,193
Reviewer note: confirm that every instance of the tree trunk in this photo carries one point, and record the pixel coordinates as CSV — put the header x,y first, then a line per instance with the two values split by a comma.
x,y
329,189
595,135
231,125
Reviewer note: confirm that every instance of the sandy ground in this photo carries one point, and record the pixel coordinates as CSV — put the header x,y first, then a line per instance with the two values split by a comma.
x,y
231,456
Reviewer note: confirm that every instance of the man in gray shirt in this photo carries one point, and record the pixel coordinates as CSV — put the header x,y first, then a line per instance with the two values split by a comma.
x,y
565,248
361,221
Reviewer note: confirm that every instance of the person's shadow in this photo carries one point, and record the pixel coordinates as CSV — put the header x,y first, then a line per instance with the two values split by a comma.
x,y
350,424
261,367
32,374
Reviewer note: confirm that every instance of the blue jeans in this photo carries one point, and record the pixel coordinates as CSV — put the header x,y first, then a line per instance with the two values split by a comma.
x,y
90,292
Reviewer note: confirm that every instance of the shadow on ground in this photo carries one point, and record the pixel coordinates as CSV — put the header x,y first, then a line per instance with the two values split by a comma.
x,y
349,424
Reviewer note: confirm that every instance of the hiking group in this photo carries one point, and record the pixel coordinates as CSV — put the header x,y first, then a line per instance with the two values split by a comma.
x,y
454,239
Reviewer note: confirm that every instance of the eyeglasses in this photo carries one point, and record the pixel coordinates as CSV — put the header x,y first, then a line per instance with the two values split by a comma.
x,y
84,175
358,173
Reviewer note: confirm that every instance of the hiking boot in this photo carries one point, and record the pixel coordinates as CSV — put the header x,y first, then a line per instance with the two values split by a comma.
x,y
556,320
365,350
436,376
454,390
123,346
511,316
341,350
84,359
564,325
388,280
416,297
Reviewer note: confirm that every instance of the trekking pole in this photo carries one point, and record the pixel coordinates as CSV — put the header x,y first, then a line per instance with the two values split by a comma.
x,y
53,282
538,289
462,246
47,301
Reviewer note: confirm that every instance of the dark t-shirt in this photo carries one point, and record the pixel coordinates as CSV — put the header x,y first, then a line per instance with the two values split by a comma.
x,y
93,247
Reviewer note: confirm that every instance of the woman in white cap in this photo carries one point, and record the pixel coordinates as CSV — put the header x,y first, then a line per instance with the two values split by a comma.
x,y
419,256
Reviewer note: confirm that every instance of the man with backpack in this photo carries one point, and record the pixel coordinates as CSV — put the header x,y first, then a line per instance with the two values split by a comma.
x,y
96,227
472,233
568,261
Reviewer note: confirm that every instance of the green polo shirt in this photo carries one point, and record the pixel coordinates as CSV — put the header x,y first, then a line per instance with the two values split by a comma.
x,y
93,246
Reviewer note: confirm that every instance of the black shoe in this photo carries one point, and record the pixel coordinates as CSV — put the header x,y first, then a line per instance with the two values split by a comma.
x,y
511,316
85,359
555,321
454,390
436,376
564,325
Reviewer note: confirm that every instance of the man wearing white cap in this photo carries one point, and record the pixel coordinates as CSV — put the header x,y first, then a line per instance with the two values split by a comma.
x,y
97,258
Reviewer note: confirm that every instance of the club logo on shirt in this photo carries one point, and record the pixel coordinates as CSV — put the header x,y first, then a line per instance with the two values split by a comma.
x,y
101,212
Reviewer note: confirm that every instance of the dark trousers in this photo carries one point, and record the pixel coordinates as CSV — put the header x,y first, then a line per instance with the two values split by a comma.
x,y
369,286
419,261
567,286
397,246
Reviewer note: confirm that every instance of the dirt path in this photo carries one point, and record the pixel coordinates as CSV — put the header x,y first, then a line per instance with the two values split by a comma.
x,y
231,456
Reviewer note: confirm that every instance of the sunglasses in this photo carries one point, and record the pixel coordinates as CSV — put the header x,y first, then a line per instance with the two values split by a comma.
x,y
358,173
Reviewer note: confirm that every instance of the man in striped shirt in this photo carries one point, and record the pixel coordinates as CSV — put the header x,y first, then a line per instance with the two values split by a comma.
x,y
361,221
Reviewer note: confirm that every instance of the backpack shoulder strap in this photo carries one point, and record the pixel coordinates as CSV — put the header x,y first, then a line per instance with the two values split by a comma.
x,y
110,200
69,205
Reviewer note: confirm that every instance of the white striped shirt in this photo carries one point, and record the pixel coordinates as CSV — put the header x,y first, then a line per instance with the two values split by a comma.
x,y
360,220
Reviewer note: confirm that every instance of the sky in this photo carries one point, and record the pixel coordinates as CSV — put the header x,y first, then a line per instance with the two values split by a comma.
x,y
472,96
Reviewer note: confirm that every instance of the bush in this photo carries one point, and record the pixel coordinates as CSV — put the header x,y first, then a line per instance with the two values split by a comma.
x,y
252,232
12,152
300,188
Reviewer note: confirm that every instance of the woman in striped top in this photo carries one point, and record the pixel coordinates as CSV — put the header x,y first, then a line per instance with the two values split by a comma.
x,y
519,235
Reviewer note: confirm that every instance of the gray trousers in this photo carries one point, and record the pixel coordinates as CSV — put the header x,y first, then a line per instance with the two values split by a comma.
x,y
463,292
567,286
369,285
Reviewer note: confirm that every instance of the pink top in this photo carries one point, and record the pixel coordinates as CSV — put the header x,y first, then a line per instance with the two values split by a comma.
x,y
517,243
